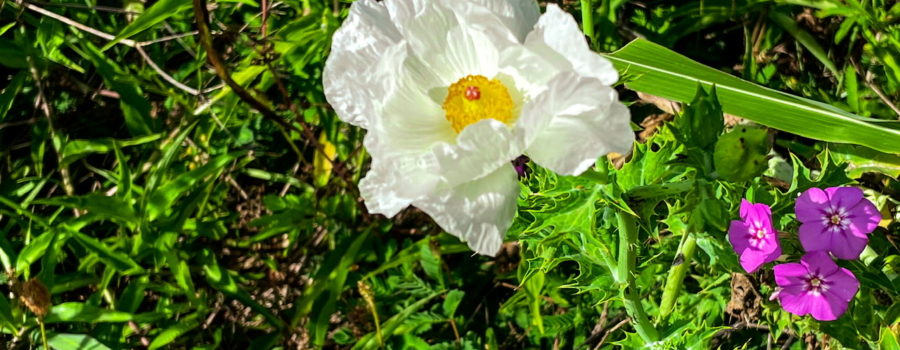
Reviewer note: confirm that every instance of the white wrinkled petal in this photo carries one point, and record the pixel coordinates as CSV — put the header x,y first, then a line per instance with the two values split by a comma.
x,y
403,11
587,122
480,149
528,71
478,212
411,120
396,178
351,80
458,52
517,15
557,35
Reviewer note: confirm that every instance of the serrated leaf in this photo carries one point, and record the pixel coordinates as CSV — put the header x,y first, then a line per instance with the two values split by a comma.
x,y
369,341
862,160
740,155
889,340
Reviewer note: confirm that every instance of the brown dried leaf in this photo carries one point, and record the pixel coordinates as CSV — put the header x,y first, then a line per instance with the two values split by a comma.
x,y
36,297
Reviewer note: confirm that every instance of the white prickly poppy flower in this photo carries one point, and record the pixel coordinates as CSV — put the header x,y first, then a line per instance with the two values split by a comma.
x,y
451,91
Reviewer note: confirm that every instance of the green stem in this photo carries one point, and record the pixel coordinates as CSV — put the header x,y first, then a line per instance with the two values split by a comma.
x,y
43,333
675,279
587,18
626,269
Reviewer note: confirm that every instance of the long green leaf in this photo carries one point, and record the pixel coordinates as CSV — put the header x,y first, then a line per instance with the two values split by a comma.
x,y
221,280
113,208
135,107
11,55
368,341
35,250
110,257
155,14
656,70
163,197
65,341
77,149
81,312
805,39
175,331
9,94
7,319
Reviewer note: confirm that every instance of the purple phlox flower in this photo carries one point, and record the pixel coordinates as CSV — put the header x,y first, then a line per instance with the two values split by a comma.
x,y
753,238
816,286
836,220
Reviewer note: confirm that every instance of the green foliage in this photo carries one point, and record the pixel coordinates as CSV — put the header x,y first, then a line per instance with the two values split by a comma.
x,y
741,154
160,210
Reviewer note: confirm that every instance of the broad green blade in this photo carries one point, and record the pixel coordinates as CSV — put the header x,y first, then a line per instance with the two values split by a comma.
x,y
656,70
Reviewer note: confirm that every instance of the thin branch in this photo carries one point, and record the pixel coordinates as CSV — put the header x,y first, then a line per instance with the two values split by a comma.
x,y
128,42
201,15
79,26
611,331
44,106
869,80
871,84
187,48
17,123
168,38
86,7
165,75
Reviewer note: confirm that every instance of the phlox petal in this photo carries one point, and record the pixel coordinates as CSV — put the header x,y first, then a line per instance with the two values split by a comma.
x,y
843,286
845,245
844,197
864,218
811,204
819,262
812,237
737,235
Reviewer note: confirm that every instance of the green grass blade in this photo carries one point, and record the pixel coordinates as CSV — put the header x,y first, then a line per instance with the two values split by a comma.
x,y
110,257
81,312
157,13
656,70
176,330
805,39
162,198
65,341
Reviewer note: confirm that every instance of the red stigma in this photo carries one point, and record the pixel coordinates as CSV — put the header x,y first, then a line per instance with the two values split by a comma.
x,y
473,93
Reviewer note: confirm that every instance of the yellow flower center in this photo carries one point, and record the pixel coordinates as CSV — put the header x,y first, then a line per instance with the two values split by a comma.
x,y
836,219
475,98
815,282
